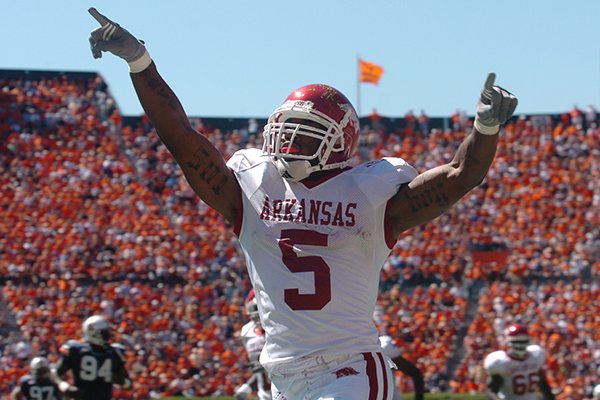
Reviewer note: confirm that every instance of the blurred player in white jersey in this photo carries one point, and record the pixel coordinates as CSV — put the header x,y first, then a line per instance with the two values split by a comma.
x,y
389,348
253,337
315,231
517,373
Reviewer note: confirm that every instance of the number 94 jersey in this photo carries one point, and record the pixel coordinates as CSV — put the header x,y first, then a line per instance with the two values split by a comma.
x,y
95,369
520,377
314,253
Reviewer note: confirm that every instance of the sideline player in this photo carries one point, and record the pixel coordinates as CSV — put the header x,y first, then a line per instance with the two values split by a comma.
x,y
253,338
315,231
37,385
517,373
96,364
389,348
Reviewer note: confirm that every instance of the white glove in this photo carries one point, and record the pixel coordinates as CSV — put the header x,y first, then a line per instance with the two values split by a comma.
x,y
118,41
495,107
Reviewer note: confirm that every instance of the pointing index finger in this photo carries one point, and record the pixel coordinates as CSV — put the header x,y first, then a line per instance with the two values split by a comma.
x,y
488,88
102,20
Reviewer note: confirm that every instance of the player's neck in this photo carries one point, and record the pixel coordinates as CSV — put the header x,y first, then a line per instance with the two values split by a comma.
x,y
316,178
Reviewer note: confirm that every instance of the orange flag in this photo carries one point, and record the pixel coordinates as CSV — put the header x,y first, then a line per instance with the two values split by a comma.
x,y
369,72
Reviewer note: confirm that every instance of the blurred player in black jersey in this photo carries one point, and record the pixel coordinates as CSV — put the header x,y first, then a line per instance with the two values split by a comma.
x,y
95,363
37,385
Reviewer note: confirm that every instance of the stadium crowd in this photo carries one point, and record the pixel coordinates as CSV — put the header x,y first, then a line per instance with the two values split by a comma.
x,y
98,219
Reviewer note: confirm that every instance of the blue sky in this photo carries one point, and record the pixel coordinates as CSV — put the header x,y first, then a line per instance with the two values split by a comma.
x,y
241,58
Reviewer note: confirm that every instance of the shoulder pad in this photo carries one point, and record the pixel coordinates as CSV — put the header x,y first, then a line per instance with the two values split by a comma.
x,y
119,349
118,346
245,158
388,165
536,351
69,345
494,362
380,179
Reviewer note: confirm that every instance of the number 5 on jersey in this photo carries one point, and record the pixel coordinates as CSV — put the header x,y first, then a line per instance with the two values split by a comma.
x,y
315,264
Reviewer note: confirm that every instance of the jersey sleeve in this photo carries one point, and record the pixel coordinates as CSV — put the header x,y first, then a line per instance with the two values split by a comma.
x,y
23,382
379,180
119,367
243,159
67,352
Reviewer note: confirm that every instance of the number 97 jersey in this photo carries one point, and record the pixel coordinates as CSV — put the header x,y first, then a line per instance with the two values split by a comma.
x,y
94,368
36,389
314,252
520,377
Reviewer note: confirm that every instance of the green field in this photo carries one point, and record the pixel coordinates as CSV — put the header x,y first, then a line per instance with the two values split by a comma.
x,y
407,396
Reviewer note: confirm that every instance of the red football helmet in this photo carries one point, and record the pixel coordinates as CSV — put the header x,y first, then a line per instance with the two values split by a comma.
x,y
517,338
319,112
251,307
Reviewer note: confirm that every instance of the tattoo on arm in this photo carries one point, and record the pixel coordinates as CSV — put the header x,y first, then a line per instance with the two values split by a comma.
x,y
207,170
159,87
427,197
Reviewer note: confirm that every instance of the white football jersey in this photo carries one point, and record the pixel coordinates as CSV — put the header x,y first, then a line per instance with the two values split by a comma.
x,y
253,339
520,377
314,254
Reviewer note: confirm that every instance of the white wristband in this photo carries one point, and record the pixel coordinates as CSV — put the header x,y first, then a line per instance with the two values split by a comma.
x,y
140,64
486,130
63,386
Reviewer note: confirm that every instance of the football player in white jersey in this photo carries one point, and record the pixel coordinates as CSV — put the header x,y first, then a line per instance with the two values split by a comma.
x,y
253,337
314,230
517,373
389,348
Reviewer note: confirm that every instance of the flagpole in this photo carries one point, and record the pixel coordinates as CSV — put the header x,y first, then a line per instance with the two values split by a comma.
x,y
358,84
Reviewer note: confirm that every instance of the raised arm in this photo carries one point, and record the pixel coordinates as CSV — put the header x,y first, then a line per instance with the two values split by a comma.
x,y
434,191
202,164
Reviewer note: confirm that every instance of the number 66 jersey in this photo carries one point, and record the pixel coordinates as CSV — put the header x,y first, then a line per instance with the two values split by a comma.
x,y
520,378
314,252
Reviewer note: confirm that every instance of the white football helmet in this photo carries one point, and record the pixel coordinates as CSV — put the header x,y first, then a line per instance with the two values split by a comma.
x,y
597,391
251,307
39,368
96,330
319,112
517,338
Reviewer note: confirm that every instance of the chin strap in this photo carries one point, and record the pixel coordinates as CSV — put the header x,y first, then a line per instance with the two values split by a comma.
x,y
293,171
